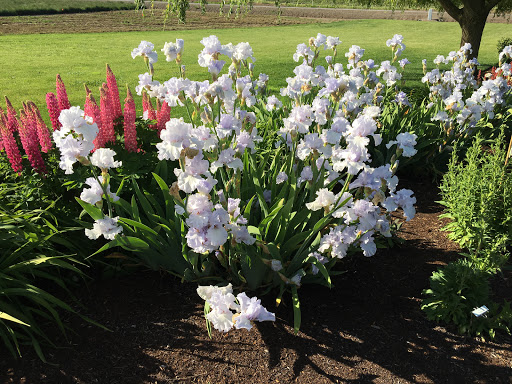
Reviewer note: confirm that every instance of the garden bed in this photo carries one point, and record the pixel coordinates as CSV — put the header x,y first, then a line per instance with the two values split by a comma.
x,y
368,328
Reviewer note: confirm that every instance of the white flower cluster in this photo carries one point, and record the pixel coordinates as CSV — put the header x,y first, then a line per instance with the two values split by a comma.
x,y
462,100
333,134
75,141
94,194
228,311
229,88
173,51
106,227
75,138
146,50
327,135
209,224
345,88
396,44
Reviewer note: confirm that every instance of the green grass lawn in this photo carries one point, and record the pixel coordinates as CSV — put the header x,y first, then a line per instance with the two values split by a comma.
x,y
39,7
30,62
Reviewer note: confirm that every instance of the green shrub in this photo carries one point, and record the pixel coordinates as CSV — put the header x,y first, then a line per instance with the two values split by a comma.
x,y
456,290
477,195
34,262
502,43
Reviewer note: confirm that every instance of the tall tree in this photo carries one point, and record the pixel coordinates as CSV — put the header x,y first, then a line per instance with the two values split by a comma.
x,y
470,14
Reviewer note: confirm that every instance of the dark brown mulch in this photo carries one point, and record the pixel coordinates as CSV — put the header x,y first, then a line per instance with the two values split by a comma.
x,y
367,329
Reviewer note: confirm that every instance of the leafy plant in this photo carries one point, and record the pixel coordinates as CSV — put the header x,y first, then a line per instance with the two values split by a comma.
x,y
502,43
476,193
454,292
459,288
32,265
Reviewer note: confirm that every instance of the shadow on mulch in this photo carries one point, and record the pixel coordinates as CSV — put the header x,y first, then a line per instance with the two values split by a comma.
x,y
367,329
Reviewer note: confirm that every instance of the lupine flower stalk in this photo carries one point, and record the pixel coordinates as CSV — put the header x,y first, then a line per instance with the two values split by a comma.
x,y
62,96
149,112
92,110
87,91
1,140
130,131
87,104
11,116
113,90
9,142
42,130
147,107
107,119
30,142
164,115
22,131
158,105
53,110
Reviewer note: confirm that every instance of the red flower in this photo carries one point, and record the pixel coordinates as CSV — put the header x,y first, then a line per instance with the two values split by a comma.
x,y
42,130
164,115
53,110
30,141
107,118
9,142
11,117
148,110
130,131
113,93
62,96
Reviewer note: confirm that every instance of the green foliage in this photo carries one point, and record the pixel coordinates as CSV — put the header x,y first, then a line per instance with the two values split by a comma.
x,y
152,231
476,193
45,7
178,8
33,263
501,6
456,290
502,43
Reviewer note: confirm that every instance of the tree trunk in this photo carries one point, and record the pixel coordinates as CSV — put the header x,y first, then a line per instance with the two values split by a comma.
x,y
471,18
472,22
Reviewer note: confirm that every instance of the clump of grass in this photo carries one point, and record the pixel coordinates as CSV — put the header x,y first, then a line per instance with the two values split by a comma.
x,y
47,7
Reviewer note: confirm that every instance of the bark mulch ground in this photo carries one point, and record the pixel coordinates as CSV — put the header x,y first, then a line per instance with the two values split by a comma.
x,y
367,329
